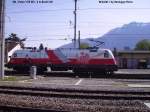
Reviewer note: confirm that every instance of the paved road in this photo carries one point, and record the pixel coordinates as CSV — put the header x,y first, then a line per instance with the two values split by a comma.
x,y
123,78
83,82
133,71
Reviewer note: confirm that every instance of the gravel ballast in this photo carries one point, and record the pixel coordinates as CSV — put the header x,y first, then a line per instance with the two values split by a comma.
x,y
67,104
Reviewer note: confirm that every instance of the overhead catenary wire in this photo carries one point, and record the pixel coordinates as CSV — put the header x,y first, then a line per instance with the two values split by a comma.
x,y
86,34
81,9
66,22
83,34
48,39
68,38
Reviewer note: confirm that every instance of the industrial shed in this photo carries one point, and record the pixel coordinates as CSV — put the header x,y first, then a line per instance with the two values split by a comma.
x,y
133,59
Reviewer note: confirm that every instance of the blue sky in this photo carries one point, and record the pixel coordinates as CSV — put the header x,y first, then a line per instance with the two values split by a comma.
x,y
51,23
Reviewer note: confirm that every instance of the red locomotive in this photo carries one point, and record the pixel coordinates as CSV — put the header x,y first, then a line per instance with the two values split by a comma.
x,y
78,60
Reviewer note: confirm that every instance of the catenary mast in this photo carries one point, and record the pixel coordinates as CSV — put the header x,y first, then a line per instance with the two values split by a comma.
x,y
2,43
75,22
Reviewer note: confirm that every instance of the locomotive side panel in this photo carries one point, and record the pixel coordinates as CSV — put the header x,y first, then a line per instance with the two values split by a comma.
x,y
91,60
87,60
21,60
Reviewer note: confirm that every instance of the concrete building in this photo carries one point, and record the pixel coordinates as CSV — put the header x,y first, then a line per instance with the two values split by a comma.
x,y
133,59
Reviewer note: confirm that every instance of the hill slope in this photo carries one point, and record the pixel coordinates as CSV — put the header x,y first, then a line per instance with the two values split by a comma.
x,y
123,37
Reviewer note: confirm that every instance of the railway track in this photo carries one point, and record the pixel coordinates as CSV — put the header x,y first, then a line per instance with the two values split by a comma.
x,y
80,94
25,109
42,99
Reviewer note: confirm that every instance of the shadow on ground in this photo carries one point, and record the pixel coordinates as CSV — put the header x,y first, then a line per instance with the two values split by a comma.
x,y
83,75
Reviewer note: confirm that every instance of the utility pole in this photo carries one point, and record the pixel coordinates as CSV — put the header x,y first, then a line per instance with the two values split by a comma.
x,y
79,38
2,41
75,22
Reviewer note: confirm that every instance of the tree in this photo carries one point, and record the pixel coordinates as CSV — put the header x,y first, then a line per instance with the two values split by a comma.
x,y
41,47
84,46
143,45
14,38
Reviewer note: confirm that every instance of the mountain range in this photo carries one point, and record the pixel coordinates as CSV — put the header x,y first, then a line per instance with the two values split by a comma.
x,y
124,37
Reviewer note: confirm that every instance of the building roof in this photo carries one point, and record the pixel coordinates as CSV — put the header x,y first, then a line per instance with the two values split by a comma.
x,y
10,45
134,52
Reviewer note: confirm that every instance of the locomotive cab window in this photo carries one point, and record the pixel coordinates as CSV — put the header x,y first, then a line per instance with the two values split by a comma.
x,y
106,54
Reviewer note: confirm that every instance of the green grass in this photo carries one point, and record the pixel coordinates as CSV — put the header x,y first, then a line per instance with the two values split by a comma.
x,y
9,78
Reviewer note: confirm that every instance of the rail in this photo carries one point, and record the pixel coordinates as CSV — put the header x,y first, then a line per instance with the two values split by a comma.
x,y
80,94
25,109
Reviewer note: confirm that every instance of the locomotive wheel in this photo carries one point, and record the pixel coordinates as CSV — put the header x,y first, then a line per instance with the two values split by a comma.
x,y
76,72
109,73
80,73
41,70
21,70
